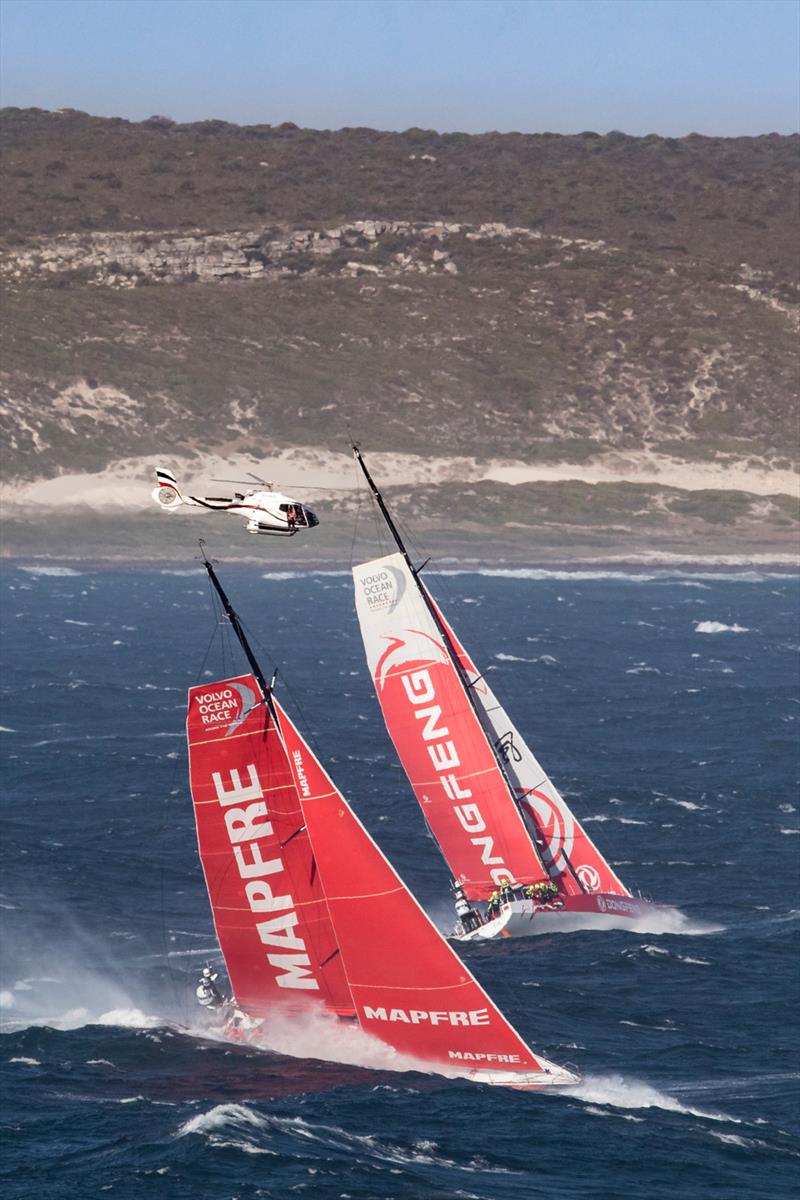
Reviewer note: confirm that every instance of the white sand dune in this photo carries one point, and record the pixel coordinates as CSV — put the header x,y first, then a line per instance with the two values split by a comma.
x,y
126,485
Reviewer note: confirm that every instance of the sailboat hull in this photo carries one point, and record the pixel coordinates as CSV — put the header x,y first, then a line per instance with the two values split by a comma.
x,y
526,1081
598,912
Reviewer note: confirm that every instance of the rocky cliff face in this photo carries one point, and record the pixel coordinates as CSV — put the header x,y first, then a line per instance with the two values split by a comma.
x,y
541,353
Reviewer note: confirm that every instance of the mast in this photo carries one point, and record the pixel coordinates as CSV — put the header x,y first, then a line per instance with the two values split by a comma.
x,y
230,613
444,633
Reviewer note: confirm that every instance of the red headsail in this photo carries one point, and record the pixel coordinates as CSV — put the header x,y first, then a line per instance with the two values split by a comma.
x,y
410,988
440,741
269,908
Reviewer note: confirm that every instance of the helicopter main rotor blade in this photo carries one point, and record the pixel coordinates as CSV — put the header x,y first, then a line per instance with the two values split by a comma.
x,y
303,487
316,487
243,482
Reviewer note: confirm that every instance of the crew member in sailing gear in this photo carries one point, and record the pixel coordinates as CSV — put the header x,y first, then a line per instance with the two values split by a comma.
x,y
506,893
544,892
466,914
492,905
207,992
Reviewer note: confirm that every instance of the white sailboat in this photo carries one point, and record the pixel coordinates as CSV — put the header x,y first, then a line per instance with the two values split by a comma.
x,y
310,915
521,861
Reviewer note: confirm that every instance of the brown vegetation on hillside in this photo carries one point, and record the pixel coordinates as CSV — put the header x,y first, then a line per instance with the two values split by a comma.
x,y
728,200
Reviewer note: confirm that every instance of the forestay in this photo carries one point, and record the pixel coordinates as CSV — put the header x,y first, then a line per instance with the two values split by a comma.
x,y
565,846
440,741
409,987
269,908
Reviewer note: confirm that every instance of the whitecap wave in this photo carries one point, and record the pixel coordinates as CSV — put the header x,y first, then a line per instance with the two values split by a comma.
x,y
662,951
241,1127
719,627
57,572
129,1018
283,576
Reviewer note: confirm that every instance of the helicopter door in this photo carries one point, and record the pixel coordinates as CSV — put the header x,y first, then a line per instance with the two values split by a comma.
x,y
299,513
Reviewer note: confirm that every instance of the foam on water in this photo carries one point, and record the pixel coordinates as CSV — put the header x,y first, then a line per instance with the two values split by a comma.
x,y
129,1018
66,572
244,1128
718,627
320,1036
671,920
621,1092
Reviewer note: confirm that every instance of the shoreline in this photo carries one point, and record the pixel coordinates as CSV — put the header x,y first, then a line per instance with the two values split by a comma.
x,y
621,565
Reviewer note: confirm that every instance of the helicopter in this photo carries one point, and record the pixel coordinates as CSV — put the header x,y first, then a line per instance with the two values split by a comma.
x,y
266,511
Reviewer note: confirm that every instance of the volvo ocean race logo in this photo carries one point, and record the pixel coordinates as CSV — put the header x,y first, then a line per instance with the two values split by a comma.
x,y
383,590
228,705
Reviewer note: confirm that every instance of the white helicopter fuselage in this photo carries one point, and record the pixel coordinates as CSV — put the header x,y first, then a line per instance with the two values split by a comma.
x,y
264,511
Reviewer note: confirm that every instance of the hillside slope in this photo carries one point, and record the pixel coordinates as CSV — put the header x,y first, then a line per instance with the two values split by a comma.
x,y
530,315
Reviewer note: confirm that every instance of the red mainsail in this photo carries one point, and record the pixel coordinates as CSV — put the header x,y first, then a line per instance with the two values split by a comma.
x,y
269,907
440,741
570,855
409,987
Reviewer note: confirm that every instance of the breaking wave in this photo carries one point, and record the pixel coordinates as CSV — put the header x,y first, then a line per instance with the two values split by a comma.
x,y
718,627
238,1126
66,572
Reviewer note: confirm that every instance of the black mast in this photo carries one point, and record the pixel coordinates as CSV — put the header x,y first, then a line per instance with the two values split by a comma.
x,y
466,682
230,613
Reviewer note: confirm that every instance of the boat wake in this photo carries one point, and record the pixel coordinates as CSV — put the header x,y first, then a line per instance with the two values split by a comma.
x,y
318,1035
672,920
616,1091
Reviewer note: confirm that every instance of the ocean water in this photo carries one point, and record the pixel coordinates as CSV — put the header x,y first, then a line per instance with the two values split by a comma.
x,y
667,709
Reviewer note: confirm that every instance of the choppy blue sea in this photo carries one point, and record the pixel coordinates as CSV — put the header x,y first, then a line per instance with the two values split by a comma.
x,y
665,707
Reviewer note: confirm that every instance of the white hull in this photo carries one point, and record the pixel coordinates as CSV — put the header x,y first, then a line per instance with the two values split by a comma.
x,y
522,918
533,1081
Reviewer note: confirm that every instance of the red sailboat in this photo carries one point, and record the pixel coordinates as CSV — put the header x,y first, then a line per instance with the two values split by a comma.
x,y
511,841
310,915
